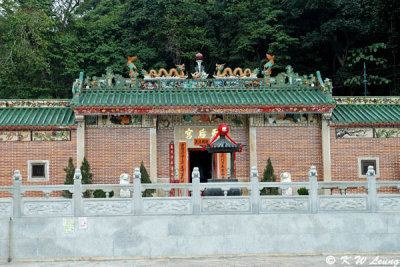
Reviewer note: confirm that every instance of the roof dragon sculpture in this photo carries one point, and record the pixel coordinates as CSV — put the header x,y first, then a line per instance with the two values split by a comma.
x,y
236,73
177,73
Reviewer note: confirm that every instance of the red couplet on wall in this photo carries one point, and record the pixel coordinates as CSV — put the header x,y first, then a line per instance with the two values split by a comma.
x,y
182,162
171,162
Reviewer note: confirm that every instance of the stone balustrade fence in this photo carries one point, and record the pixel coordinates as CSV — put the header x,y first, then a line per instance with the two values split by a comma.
x,y
192,200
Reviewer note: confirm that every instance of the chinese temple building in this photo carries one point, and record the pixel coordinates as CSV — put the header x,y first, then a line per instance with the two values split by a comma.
x,y
165,117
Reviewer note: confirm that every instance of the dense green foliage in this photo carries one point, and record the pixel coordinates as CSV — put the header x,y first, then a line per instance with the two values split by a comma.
x,y
87,176
145,178
70,172
69,176
45,43
269,176
98,193
302,191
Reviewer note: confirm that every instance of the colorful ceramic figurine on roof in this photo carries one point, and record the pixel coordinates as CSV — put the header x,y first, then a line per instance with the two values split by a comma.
x,y
199,69
133,72
77,85
267,68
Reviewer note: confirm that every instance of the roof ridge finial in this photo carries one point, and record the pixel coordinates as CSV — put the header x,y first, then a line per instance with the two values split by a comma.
x,y
199,69
133,72
267,68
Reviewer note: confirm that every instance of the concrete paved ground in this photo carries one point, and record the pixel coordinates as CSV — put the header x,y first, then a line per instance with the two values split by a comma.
x,y
237,261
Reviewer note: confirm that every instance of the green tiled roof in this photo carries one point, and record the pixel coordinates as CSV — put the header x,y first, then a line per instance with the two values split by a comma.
x,y
36,117
366,114
202,97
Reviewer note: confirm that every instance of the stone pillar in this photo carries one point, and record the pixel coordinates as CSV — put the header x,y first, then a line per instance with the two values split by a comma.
x,y
313,191
252,142
326,147
77,195
80,139
16,195
372,191
137,192
255,190
196,190
153,151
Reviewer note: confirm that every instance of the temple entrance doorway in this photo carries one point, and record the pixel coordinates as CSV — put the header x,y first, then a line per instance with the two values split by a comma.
x,y
202,160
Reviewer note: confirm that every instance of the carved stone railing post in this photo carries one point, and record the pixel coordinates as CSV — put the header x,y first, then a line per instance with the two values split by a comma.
x,y
77,195
137,192
196,190
17,180
371,180
255,190
313,193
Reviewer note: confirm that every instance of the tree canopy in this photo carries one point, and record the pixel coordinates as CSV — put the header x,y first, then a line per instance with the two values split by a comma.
x,y
44,44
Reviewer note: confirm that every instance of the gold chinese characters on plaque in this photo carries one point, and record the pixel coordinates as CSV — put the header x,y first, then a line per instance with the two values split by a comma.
x,y
193,133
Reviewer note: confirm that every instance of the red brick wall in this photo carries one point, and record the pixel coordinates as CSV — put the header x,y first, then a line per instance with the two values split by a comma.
x,y
15,156
241,135
346,151
113,151
164,138
291,149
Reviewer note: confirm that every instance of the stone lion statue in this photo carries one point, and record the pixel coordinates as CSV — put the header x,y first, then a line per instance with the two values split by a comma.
x,y
286,178
124,179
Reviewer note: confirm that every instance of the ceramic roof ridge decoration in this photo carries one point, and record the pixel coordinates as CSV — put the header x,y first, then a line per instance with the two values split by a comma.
x,y
33,103
178,73
357,100
228,73
199,69
224,78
